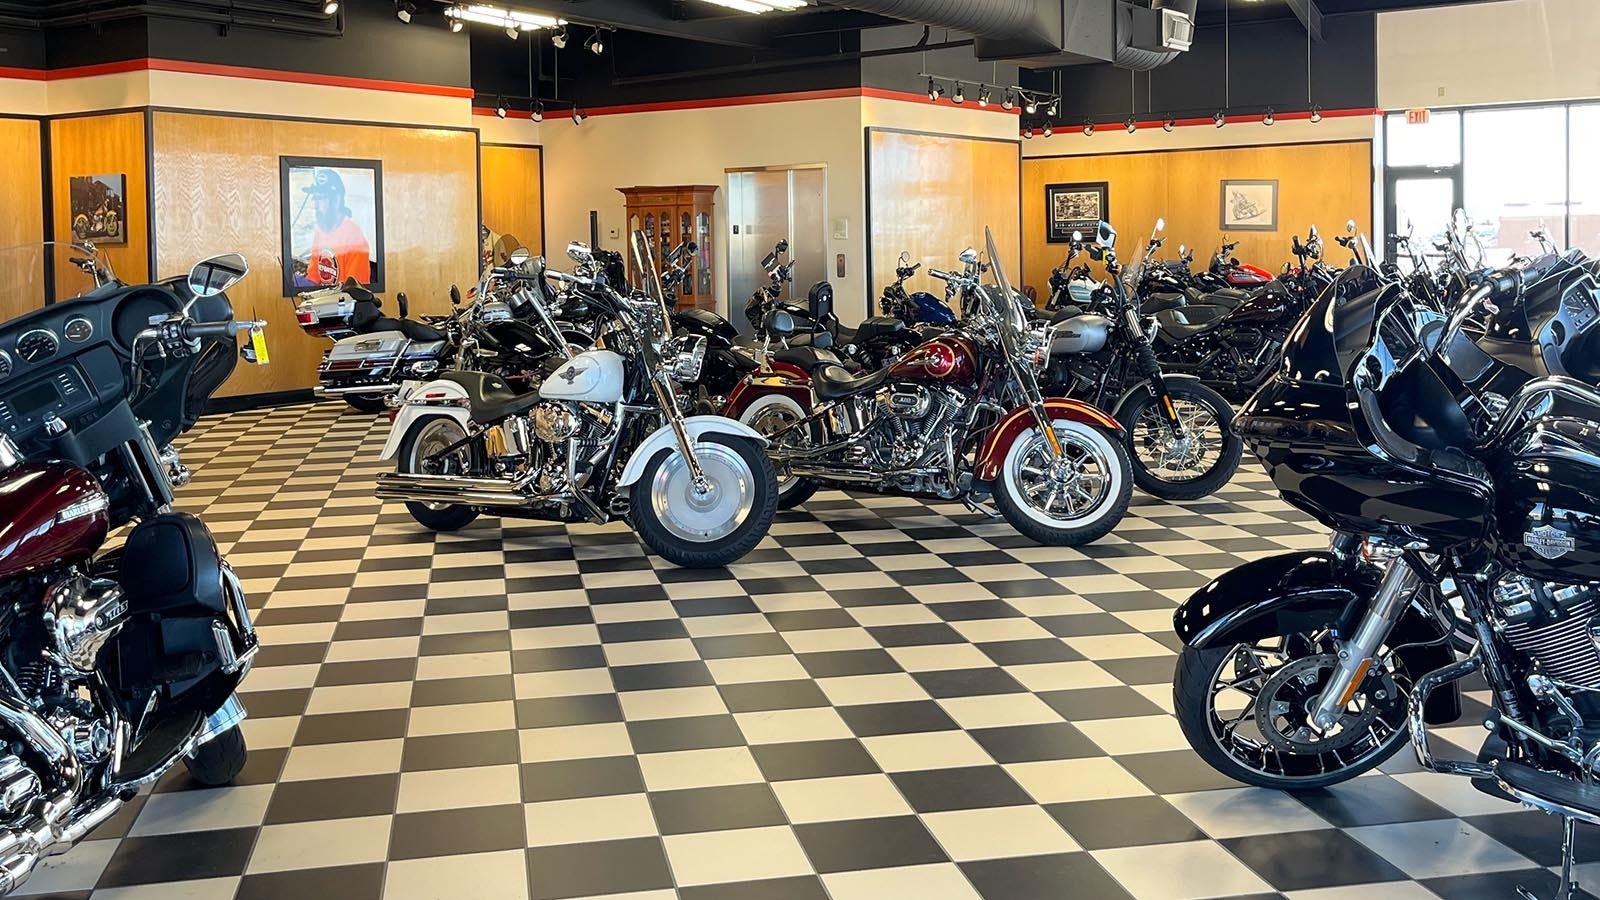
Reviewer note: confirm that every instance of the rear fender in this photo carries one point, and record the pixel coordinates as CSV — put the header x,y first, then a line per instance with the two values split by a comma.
x,y
1299,592
417,399
1020,420
663,439
757,385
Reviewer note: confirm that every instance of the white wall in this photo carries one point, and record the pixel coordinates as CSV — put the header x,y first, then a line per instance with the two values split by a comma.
x,y
1510,51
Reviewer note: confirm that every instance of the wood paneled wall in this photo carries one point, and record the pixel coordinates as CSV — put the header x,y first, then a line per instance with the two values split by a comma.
x,y
21,216
216,191
1318,184
512,181
102,145
932,195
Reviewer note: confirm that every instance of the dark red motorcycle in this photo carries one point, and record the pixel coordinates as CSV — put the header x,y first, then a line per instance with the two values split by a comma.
x,y
959,416
114,665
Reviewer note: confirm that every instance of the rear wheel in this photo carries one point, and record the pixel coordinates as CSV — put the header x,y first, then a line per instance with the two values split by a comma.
x,y
711,528
1072,500
768,416
217,761
423,452
1189,467
367,403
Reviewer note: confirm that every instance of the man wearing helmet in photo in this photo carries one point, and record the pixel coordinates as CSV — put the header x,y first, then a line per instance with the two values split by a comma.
x,y
339,250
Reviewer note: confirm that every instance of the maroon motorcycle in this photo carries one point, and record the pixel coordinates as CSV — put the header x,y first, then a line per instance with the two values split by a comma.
x,y
114,665
959,416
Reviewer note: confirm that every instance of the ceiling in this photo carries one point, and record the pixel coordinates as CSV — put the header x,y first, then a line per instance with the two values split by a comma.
x,y
1210,11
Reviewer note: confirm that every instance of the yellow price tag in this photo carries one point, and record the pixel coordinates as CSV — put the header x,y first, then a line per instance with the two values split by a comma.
x,y
258,343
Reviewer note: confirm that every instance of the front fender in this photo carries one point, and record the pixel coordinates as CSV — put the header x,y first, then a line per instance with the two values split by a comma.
x,y
1020,420
417,399
663,439
1144,385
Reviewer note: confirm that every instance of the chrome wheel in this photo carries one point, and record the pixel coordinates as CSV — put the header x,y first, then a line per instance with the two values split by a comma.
x,y
1173,458
436,436
706,514
1071,487
770,420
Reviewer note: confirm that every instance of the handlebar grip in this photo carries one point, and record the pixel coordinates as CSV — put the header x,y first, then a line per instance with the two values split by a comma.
x,y
941,275
195,330
1504,282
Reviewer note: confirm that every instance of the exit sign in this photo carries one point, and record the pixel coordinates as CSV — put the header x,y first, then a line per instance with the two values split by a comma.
x,y
1416,117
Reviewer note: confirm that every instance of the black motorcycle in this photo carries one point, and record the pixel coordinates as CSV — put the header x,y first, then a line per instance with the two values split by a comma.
x,y
877,342
1179,431
1304,670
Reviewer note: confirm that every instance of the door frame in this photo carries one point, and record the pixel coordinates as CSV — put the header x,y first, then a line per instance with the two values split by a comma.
x,y
1395,174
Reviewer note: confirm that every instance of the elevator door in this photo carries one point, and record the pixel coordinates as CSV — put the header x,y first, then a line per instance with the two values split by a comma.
x,y
766,206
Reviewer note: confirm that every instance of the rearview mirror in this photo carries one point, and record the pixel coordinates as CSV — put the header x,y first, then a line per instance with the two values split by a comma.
x,y
1182,250
1350,226
210,277
1161,225
520,256
1106,236
578,251
1312,234
969,256
1077,237
905,257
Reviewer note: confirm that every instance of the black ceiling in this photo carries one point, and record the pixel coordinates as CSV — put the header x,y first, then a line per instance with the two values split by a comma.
x,y
1210,11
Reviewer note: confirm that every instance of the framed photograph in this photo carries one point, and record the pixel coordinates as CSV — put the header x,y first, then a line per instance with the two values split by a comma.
x,y
98,213
332,222
1074,207
1250,205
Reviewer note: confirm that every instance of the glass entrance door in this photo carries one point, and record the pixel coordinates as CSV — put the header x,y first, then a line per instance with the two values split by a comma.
x,y
1421,201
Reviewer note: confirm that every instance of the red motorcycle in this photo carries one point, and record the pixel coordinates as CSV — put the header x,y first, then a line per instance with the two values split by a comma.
x,y
959,416
114,666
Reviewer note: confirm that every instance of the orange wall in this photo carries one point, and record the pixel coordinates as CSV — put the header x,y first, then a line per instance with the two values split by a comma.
x,y
102,145
512,182
216,191
1318,184
21,216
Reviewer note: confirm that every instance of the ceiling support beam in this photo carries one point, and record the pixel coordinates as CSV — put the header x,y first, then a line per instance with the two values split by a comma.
x,y
1309,15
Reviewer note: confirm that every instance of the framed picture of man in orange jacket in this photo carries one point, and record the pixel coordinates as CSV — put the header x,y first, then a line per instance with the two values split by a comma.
x,y
332,222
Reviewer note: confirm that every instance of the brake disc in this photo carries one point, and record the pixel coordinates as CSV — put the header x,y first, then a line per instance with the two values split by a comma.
x,y
1283,708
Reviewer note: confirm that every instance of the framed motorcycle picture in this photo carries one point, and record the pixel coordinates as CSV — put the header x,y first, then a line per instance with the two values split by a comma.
x,y
1250,205
97,208
1079,206
332,222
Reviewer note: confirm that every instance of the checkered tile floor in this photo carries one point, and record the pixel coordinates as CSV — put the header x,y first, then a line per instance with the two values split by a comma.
x,y
887,699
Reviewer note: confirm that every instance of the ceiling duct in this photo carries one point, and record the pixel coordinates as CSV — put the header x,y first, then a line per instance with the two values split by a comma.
x,y
1047,33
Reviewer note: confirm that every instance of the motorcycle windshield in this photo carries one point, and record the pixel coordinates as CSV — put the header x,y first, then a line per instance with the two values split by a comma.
x,y
32,275
1005,304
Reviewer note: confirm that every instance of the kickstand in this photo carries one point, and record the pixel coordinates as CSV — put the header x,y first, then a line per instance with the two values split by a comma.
x,y
1568,889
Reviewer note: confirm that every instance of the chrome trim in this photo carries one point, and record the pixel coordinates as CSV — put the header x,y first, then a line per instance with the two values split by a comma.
x,y
384,389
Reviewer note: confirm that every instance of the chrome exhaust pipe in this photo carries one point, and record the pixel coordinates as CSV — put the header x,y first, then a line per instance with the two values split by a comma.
x,y
493,492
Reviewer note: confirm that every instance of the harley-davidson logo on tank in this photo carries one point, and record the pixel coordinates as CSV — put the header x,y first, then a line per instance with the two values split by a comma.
x,y
1549,541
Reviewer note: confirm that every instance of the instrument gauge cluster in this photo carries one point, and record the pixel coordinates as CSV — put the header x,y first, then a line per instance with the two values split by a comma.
x,y
5,364
38,345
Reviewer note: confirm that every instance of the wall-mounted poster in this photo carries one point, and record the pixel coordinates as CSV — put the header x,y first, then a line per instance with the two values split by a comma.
x,y
1074,207
1250,205
332,222
98,213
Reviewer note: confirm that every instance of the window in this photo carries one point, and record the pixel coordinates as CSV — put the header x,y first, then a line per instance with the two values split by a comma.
x,y
1583,188
1438,143
1515,177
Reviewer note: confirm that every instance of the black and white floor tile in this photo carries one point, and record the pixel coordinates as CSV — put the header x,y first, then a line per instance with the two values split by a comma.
x,y
889,698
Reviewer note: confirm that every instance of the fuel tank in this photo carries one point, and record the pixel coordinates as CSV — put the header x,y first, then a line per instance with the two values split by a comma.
x,y
1547,508
1272,305
950,358
705,323
54,513
1085,333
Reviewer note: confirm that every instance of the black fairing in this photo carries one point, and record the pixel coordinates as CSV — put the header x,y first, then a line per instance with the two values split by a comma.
x,y
1548,496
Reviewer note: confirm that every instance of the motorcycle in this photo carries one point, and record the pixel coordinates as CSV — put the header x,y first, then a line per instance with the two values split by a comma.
x,y
602,438
1179,432
114,664
1306,669
876,342
960,415
372,353
919,310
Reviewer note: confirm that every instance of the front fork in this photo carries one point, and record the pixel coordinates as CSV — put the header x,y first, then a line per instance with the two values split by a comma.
x,y
1358,654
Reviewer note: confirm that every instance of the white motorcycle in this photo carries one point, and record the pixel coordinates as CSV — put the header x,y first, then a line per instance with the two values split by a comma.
x,y
604,437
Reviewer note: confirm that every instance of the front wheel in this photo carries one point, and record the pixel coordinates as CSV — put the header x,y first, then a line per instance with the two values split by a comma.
x,y
1067,501
1187,467
705,529
423,452
1244,710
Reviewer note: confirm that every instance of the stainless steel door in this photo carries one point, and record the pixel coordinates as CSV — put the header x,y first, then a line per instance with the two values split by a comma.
x,y
765,206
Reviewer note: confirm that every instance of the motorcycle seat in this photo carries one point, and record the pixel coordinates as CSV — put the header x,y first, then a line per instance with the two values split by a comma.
x,y
807,358
1177,325
875,327
415,331
836,382
490,397
1156,303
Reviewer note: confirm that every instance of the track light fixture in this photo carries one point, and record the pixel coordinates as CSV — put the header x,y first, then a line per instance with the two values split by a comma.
x,y
1032,107
935,91
1009,102
595,45
577,115
403,10
1027,133
1131,125
1088,129
1269,118
537,112
983,96
512,31
1169,124
459,14
559,38
1051,109
1316,114
1048,130
456,25
500,108
960,96
331,7
1219,119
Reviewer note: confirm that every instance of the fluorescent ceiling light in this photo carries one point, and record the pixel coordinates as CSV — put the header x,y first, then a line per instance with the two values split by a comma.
x,y
505,18
758,6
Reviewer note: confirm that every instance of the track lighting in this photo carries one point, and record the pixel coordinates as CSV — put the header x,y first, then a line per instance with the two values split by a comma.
x,y
1269,118
403,10
1316,114
1048,131
577,115
1051,111
1009,102
509,19
934,91
500,109
559,38
983,95
1027,133
537,111
595,45
456,25
1131,125
1219,119
512,31
331,7
1088,129
960,96
1031,107
1169,124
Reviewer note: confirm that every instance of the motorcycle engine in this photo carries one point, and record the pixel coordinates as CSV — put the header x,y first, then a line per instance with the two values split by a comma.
x,y
570,438
909,414
1556,626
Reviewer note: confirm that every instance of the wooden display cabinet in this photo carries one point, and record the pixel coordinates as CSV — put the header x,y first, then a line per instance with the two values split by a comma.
x,y
669,216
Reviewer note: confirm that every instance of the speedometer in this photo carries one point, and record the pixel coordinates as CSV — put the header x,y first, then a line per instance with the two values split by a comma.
x,y
78,329
5,364
37,345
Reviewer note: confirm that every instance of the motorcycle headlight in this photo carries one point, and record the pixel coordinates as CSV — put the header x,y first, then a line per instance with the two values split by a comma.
x,y
554,422
690,358
1036,347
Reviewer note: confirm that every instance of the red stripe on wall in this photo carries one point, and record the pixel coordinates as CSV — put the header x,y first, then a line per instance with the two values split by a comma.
x,y
22,74
912,97
749,100
222,71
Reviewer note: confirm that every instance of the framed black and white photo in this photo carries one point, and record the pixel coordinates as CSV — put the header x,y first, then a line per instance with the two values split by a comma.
x,y
1250,205
1080,206
332,222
